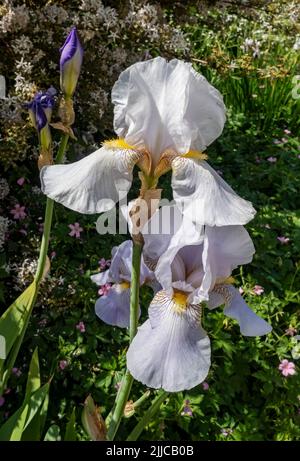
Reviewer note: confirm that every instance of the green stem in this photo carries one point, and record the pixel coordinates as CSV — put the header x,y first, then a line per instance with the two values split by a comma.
x,y
148,416
123,394
48,217
135,288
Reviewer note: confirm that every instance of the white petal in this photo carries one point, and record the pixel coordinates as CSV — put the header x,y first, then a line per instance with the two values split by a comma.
x,y
160,105
250,323
225,248
114,308
93,184
203,196
173,353
101,278
121,264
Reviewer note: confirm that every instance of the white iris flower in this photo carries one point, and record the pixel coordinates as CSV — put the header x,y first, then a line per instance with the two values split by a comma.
x,y
171,350
165,115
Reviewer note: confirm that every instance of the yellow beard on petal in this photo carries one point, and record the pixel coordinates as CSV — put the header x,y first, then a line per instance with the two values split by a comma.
x,y
118,144
225,281
120,287
179,299
197,154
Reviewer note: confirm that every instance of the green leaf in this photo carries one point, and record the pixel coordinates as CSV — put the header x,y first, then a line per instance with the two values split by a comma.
x,y
14,319
53,434
33,379
13,428
70,435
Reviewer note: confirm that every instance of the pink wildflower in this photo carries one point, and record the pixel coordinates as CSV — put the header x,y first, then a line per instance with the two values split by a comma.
x,y
21,181
75,230
283,240
187,411
290,331
81,326
63,364
2,401
272,159
286,131
241,290
104,289
258,290
205,386
18,212
287,368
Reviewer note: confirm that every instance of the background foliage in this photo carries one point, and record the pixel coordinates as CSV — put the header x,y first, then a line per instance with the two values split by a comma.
x,y
250,51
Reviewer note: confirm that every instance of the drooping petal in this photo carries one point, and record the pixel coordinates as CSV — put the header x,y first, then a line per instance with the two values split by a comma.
x,y
93,184
171,350
237,309
101,278
204,197
161,105
225,248
114,308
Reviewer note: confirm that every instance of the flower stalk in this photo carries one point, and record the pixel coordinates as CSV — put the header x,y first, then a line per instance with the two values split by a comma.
x,y
123,394
48,218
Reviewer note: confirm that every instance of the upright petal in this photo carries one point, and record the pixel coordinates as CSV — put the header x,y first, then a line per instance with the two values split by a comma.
x,y
204,197
163,247
161,105
93,184
173,352
237,309
114,308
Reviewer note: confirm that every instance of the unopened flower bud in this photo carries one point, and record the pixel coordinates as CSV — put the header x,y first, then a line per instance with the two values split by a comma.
x,y
70,63
92,420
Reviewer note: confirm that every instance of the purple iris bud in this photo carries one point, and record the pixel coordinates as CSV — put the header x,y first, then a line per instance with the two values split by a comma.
x,y
40,116
42,101
70,63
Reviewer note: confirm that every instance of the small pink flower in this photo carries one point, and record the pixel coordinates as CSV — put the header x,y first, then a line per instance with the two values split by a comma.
x,y
63,364
286,131
272,159
16,371
257,160
287,368
241,290
258,290
53,254
104,289
205,386
2,401
104,263
75,230
290,331
21,181
283,240
18,212
284,140
81,327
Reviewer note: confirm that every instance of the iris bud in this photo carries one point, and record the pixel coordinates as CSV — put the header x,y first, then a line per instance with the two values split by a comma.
x,y
70,63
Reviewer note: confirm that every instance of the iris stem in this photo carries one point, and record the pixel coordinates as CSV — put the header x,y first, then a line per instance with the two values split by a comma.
x,y
123,394
48,218
147,417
